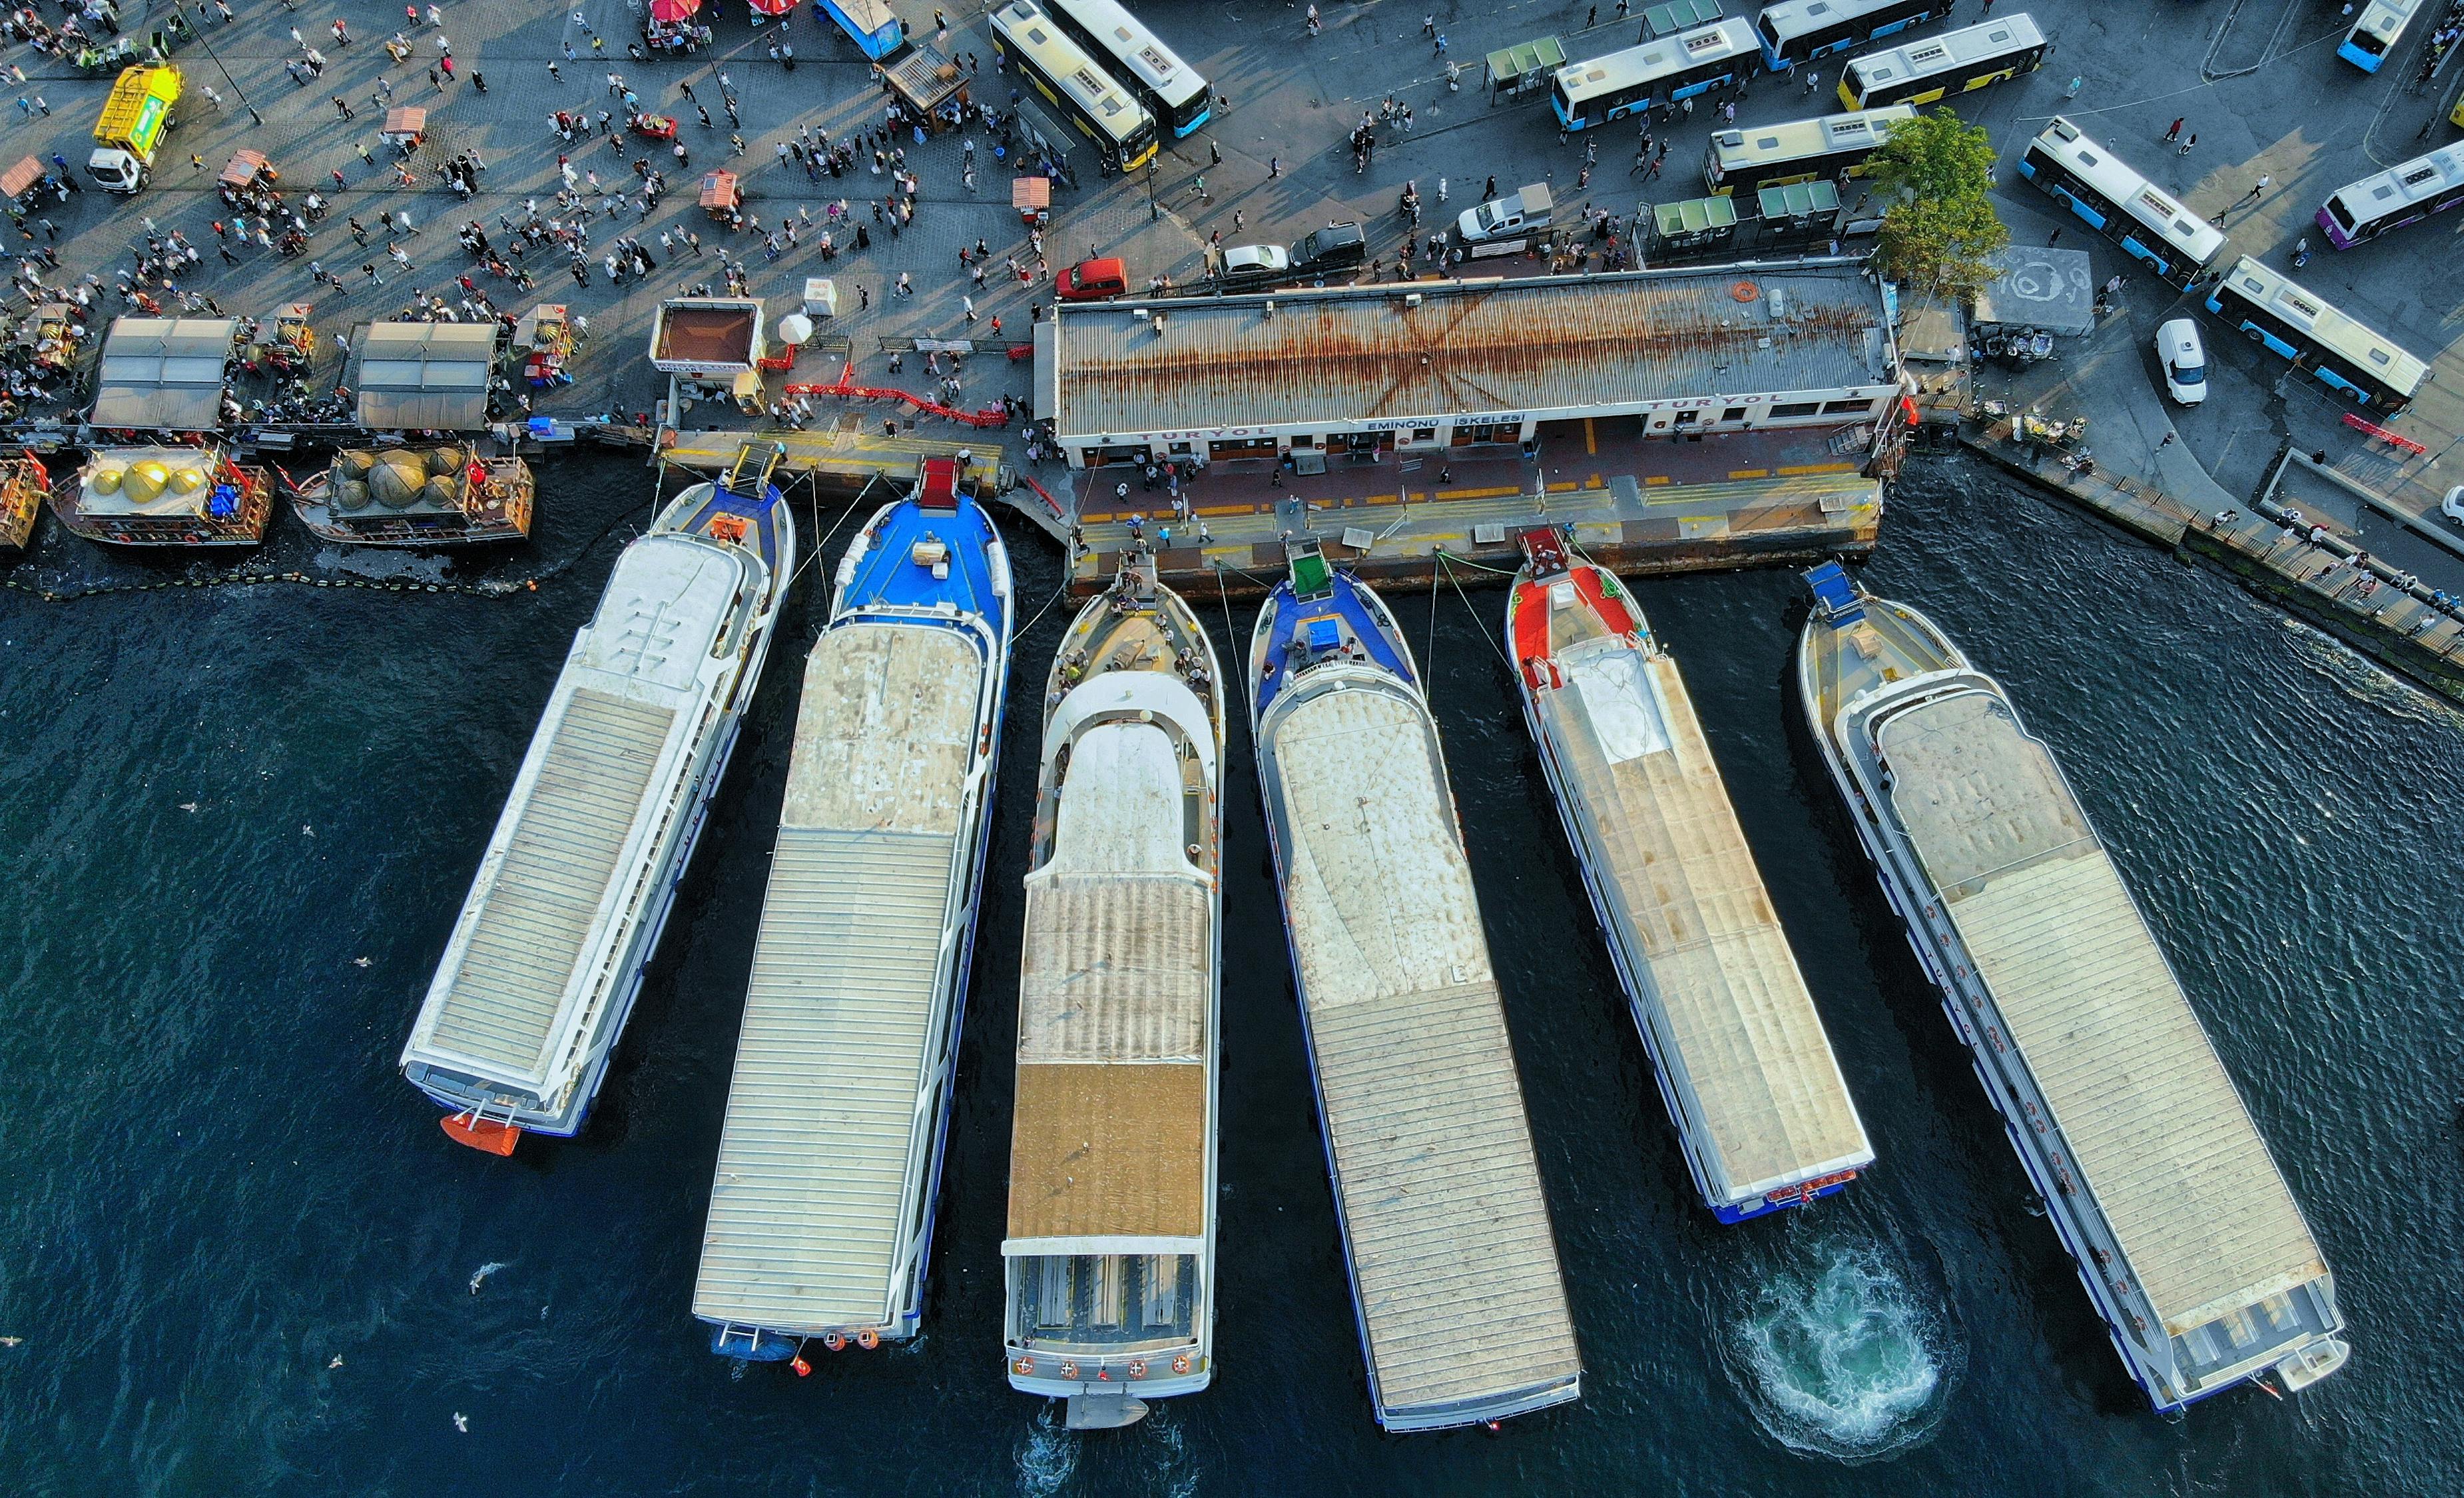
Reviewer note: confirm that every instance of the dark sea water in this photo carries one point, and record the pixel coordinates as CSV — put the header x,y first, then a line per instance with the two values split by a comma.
x,y
238,825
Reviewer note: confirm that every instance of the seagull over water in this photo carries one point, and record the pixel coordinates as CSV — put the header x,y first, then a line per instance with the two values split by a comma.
x,y
462,1423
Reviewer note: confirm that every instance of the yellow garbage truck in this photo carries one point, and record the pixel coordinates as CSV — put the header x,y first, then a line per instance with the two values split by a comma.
x,y
134,118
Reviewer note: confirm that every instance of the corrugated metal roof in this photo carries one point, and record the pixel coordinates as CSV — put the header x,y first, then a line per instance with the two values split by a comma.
x,y
1454,1264
163,372
820,1150
1674,871
524,949
427,376
2161,1139
1360,353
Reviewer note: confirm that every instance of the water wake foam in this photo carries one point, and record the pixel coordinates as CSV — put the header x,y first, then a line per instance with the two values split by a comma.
x,y
1838,1354
1048,1457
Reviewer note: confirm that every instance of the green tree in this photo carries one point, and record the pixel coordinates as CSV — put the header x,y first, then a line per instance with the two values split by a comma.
x,y
1936,173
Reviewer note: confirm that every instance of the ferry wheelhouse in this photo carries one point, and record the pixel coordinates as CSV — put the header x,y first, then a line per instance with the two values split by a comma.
x,y
822,1209
2183,1233
546,959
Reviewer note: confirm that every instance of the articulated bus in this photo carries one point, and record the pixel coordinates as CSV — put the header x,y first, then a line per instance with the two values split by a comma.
x,y
1170,89
1657,73
1123,132
2172,241
1829,149
2403,194
869,22
1954,62
2375,35
1800,30
2329,346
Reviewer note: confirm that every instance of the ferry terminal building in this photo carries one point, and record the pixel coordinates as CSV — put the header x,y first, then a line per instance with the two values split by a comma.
x,y
1422,368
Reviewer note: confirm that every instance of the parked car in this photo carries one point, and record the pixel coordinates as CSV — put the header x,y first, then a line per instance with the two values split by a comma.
x,y
2453,506
2184,359
1255,267
1092,280
1338,247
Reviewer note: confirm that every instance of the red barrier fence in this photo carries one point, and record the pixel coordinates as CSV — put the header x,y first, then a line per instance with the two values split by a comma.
x,y
2406,444
989,416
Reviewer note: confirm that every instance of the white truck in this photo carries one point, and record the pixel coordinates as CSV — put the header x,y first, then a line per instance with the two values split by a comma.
x,y
1498,218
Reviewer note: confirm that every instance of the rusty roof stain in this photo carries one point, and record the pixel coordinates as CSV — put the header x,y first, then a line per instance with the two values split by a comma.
x,y
1361,353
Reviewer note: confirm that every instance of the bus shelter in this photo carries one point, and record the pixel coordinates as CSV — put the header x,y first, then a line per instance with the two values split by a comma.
x,y
1680,16
1525,65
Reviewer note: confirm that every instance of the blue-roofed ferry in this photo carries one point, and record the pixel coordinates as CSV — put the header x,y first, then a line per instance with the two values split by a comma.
x,y
1452,1262
545,962
822,1207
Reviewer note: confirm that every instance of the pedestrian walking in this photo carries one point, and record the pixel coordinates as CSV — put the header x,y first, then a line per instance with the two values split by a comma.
x,y
2167,442
969,303
2053,239
2072,92
1442,44
2264,182
1214,153
2188,142
2173,132
1274,166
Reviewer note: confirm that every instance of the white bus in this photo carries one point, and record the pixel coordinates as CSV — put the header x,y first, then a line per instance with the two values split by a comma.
x,y
1657,73
2159,231
2375,35
1172,89
1828,149
1800,30
2405,193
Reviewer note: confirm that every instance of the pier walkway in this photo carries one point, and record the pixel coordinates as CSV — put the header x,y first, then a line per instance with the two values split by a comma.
x,y
1640,506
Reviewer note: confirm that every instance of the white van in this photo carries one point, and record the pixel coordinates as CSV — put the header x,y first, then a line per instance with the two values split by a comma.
x,y
2184,359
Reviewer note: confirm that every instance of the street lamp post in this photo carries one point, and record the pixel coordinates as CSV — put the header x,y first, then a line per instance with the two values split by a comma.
x,y
226,76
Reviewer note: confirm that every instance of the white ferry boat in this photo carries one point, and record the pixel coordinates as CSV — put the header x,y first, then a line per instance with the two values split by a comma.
x,y
1463,1308
1744,1064
2188,1241
821,1212
546,959
1109,1256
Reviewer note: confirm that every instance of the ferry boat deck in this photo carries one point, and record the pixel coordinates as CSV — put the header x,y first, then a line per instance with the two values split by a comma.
x,y
2182,1227
1742,1057
1462,1307
547,956
822,1207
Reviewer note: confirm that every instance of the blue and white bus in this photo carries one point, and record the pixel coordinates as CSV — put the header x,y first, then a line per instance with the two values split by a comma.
x,y
2124,206
2322,342
1657,73
2375,35
1170,88
1800,30
877,32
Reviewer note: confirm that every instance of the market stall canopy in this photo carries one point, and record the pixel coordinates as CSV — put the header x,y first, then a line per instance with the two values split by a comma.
x,y
425,376
925,78
772,7
245,165
669,12
1030,192
19,178
405,120
165,373
718,190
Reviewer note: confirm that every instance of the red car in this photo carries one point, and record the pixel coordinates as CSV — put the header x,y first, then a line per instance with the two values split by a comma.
x,y
1092,280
